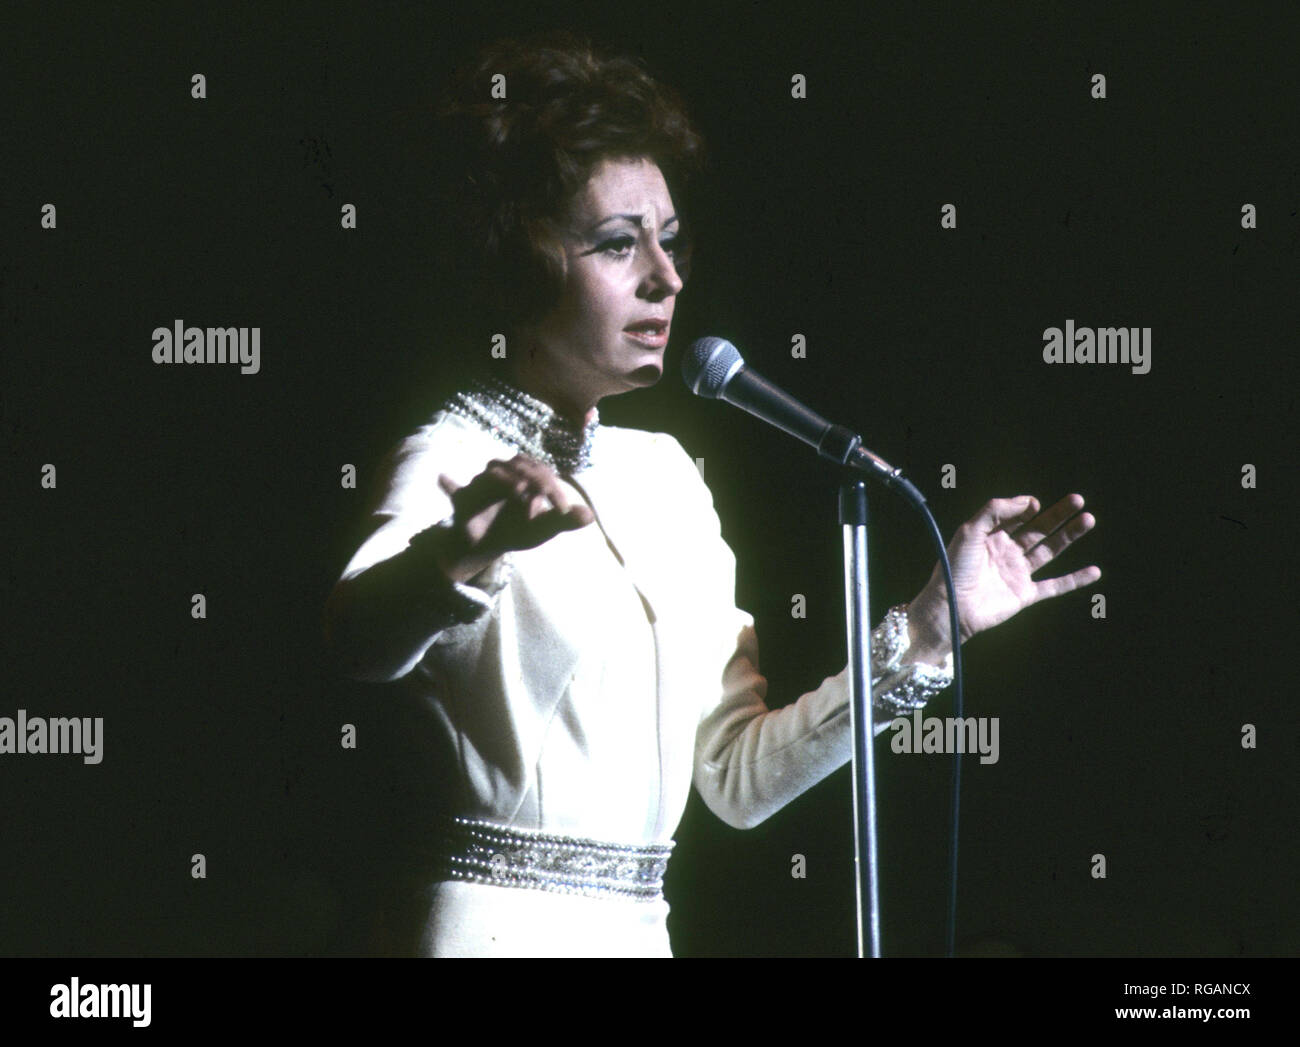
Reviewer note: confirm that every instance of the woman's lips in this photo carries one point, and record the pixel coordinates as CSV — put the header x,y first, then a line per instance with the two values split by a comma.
x,y
652,334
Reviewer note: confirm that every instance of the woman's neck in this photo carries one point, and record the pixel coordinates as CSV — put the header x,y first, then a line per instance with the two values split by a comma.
x,y
575,407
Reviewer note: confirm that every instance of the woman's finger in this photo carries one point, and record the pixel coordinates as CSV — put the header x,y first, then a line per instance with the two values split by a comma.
x,y
1039,527
1054,544
1067,583
509,494
549,494
998,512
543,479
496,483
538,504
484,490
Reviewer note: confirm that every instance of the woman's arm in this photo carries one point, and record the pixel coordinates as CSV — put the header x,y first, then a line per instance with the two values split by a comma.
x,y
750,761
403,588
380,621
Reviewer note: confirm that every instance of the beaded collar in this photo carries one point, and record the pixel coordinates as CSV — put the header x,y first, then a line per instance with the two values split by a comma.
x,y
527,424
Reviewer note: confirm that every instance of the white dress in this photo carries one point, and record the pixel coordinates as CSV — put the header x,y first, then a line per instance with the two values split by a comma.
x,y
602,674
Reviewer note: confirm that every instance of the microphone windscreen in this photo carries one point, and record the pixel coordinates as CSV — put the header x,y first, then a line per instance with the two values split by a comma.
x,y
708,365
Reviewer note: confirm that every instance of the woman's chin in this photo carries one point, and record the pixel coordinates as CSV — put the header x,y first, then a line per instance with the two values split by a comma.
x,y
647,374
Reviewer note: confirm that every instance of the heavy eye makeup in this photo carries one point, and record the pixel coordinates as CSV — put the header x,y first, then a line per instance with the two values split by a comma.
x,y
623,244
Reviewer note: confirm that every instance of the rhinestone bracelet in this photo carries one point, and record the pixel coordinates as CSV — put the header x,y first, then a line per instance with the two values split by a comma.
x,y
917,682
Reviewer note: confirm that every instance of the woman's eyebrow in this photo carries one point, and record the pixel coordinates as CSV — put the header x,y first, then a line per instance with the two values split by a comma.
x,y
635,219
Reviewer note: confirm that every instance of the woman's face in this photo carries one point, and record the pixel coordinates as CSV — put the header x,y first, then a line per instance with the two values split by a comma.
x,y
608,331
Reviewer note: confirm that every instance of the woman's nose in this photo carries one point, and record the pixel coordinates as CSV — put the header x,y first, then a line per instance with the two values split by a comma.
x,y
662,279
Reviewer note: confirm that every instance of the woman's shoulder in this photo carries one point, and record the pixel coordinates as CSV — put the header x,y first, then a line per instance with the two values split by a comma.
x,y
450,443
642,453
445,434
615,445
445,443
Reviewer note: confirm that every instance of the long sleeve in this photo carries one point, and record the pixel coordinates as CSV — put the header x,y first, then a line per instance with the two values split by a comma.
x,y
750,760
391,572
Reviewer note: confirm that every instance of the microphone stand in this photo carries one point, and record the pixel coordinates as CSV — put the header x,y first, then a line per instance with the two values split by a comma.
x,y
853,518
715,370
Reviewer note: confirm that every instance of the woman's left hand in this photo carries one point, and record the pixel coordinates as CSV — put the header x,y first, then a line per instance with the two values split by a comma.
x,y
993,557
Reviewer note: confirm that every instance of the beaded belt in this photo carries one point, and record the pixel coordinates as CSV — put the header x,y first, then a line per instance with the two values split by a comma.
x,y
483,852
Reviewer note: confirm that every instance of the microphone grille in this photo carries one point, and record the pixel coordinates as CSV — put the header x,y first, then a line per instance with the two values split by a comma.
x,y
708,365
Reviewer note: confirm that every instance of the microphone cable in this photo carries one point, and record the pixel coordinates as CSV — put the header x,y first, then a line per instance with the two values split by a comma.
x,y
955,625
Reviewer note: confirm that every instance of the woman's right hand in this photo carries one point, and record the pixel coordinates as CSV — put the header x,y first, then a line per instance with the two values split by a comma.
x,y
511,505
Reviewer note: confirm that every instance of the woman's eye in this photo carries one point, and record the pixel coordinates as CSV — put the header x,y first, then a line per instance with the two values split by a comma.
x,y
623,246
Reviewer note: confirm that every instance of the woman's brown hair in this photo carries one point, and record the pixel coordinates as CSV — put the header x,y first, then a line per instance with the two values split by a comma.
x,y
510,165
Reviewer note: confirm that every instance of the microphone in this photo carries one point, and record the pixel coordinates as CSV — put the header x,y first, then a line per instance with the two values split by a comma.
x,y
715,370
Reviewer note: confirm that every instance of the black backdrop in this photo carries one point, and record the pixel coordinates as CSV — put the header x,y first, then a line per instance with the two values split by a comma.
x,y
1118,736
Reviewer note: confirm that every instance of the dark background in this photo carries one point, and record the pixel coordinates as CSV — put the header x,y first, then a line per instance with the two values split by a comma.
x,y
1119,736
